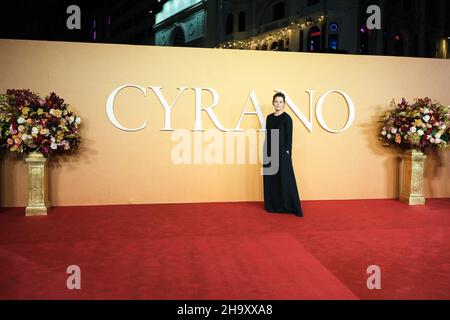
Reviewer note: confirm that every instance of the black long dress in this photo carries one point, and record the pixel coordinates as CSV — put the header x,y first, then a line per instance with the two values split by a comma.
x,y
280,189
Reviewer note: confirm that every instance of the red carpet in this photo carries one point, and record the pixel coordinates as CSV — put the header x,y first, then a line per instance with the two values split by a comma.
x,y
228,251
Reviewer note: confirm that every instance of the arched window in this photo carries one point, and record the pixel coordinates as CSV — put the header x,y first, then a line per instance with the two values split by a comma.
x,y
241,21
363,40
274,46
300,40
278,11
398,44
229,26
178,36
314,39
333,41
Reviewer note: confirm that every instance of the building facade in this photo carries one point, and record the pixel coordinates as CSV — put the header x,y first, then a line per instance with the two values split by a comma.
x,y
418,28
408,27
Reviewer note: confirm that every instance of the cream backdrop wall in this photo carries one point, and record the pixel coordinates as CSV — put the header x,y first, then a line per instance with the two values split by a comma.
x,y
119,167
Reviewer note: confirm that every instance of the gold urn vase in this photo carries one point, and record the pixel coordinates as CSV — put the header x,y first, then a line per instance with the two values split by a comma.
x,y
411,177
38,203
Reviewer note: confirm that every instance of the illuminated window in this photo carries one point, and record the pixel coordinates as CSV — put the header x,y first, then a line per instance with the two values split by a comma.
x,y
398,44
333,41
314,38
363,40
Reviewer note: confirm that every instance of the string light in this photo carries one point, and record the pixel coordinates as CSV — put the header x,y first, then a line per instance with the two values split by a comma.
x,y
272,36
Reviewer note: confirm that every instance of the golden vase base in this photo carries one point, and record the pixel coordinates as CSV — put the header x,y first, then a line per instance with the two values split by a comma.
x,y
38,203
37,210
412,200
411,177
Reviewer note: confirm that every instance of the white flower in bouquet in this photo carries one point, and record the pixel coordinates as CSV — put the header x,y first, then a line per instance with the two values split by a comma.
x,y
71,119
56,112
394,130
439,134
413,129
44,132
389,136
12,129
78,120
20,120
54,146
426,118
420,132
25,137
383,132
435,141
66,144
35,131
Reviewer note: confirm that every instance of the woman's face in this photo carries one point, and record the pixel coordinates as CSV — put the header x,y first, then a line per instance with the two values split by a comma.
x,y
278,103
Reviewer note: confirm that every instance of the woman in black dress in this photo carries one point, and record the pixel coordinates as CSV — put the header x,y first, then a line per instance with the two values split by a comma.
x,y
280,187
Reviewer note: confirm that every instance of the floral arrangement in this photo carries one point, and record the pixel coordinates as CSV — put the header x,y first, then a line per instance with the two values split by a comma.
x,y
29,123
418,125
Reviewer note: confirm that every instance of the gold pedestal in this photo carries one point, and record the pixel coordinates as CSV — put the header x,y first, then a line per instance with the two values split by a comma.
x,y
411,177
38,203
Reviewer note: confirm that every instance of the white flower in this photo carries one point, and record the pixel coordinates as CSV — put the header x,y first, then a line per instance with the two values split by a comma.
x,y
420,132
71,119
432,140
426,118
35,130
78,120
66,144
426,110
53,139
389,136
438,141
25,137
54,146
20,120
439,134
413,129
383,133
394,130
45,132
